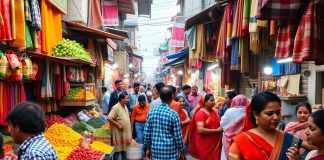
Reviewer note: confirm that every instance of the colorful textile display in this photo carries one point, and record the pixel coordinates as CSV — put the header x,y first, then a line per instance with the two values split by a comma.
x,y
229,21
51,34
5,29
280,9
238,20
36,22
201,46
235,55
18,24
191,37
110,13
246,16
309,41
222,37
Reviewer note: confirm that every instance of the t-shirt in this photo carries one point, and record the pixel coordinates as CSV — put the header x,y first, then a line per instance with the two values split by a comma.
x,y
139,114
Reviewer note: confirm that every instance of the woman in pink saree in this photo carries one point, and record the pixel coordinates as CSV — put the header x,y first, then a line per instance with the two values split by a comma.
x,y
232,122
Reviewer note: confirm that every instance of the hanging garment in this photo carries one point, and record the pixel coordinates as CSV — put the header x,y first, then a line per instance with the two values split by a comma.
x,y
221,43
253,19
35,15
191,37
19,24
238,19
95,14
309,41
194,55
51,34
27,11
229,24
246,16
284,42
211,41
280,9
110,13
273,28
244,50
5,30
235,55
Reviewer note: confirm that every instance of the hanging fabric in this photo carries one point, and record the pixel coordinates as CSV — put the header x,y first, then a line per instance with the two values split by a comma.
x,y
246,16
110,13
284,43
46,90
95,17
211,41
191,37
201,46
51,34
229,24
273,28
36,22
221,43
235,55
244,50
280,9
238,19
5,30
18,24
309,41
253,19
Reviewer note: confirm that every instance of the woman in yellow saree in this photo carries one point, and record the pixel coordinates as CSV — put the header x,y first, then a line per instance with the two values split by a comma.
x,y
264,141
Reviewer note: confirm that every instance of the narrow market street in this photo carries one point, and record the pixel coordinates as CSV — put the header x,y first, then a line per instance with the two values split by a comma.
x,y
162,79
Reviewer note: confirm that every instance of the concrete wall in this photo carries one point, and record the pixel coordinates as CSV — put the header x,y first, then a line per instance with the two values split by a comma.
x,y
315,83
192,7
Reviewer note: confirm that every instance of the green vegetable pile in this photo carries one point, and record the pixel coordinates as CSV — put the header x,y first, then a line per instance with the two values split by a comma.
x,y
70,48
7,139
82,127
96,122
72,95
101,132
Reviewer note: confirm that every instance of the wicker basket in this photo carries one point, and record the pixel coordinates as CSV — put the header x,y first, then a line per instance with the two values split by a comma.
x,y
103,139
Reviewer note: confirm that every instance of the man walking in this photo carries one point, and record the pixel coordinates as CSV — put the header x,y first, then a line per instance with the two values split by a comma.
x,y
105,100
26,123
186,89
114,95
227,102
133,96
193,97
162,133
157,89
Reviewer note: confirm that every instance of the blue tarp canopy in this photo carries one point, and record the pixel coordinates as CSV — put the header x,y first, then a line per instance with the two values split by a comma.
x,y
177,57
182,53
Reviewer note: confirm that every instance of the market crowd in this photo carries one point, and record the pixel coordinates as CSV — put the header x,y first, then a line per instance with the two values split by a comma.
x,y
173,123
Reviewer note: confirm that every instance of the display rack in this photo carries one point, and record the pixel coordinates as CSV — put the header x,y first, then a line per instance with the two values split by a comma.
x,y
80,103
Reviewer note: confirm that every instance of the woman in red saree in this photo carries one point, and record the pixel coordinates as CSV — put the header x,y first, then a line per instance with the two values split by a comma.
x,y
184,120
205,131
263,141
315,135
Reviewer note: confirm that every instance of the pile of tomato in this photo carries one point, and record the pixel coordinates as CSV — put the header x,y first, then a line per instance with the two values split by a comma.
x,y
82,153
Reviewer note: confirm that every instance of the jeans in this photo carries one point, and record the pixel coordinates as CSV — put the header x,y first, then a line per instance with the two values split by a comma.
x,y
139,129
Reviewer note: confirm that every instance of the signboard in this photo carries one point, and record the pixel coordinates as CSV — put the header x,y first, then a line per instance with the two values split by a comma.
x,y
61,5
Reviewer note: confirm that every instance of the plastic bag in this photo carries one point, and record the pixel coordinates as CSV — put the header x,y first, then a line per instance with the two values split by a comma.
x,y
26,67
13,59
16,74
34,71
3,65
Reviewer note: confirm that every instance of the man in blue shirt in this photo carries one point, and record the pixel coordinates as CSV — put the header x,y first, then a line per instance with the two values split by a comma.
x,y
26,123
162,132
186,90
114,95
133,96
105,100
157,87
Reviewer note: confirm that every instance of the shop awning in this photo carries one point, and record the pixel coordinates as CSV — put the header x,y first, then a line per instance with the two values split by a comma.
x,y
182,53
213,13
126,6
84,28
120,32
130,52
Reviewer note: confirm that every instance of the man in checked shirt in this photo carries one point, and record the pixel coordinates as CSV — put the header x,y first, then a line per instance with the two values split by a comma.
x,y
26,123
162,133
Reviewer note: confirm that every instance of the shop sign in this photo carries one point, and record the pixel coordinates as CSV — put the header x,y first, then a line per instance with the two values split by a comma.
x,y
61,5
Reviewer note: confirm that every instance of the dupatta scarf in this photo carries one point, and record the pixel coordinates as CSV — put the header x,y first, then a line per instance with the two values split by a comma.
x,y
232,120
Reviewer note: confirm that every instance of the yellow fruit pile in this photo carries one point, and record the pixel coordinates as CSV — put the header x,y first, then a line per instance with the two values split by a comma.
x,y
89,95
102,147
80,95
63,152
63,139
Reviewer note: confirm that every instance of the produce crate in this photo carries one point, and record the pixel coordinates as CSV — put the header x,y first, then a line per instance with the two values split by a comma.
x,y
80,103
103,139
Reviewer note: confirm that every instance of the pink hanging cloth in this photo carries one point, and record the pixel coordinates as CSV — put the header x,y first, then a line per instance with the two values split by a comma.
x,y
110,13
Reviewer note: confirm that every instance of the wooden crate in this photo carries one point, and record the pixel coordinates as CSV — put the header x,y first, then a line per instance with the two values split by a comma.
x,y
77,102
103,139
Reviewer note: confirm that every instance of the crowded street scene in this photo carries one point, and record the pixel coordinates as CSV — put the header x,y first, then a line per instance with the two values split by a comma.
x,y
161,79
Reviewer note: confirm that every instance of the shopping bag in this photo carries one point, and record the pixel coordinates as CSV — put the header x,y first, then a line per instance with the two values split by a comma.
x,y
3,65
13,59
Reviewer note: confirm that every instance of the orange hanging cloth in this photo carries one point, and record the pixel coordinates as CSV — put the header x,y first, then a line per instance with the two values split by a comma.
x,y
51,27
18,24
